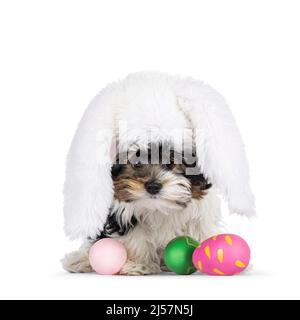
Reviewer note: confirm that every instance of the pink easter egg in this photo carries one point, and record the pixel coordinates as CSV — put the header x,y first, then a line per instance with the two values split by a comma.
x,y
222,255
107,256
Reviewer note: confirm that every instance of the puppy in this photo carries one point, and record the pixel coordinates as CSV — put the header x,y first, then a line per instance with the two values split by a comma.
x,y
153,203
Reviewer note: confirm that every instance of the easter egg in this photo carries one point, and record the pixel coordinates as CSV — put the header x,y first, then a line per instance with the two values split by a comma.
x,y
107,256
224,254
178,255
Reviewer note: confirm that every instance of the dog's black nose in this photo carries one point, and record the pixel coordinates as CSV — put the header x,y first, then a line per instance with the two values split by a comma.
x,y
153,187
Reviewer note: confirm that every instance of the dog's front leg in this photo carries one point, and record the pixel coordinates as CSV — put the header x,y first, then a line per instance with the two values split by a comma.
x,y
134,268
142,253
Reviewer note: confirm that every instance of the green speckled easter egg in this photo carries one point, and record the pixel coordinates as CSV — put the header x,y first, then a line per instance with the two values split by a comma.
x,y
178,255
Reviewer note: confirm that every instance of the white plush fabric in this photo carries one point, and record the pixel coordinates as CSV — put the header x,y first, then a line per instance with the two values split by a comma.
x,y
156,103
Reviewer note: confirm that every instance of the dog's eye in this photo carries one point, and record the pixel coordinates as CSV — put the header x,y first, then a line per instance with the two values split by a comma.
x,y
169,166
137,164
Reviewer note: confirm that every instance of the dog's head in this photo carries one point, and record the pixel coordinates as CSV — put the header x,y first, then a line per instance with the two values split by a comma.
x,y
164,184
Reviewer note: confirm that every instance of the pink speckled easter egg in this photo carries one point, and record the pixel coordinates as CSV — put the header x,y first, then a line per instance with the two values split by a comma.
x,y
222,255
107,256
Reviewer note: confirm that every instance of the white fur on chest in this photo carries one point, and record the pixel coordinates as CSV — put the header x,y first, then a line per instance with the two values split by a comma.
x,y
160,228
199,220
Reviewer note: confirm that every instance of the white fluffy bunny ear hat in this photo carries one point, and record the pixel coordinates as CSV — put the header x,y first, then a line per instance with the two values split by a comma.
x,y
156,103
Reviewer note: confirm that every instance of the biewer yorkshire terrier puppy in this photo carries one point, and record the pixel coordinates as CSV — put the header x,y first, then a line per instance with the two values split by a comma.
x,y
154,203
113,188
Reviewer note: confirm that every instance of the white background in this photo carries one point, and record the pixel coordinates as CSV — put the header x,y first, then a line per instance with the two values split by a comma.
x,y
56,55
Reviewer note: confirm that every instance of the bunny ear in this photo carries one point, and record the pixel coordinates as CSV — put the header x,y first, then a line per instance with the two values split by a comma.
x,y
218,143
88,189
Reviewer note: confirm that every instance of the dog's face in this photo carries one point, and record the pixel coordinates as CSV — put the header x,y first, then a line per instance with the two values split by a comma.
x,y
157,186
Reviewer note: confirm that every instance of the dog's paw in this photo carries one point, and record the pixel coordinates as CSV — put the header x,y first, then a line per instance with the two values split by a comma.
x,y
77,262
131,268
